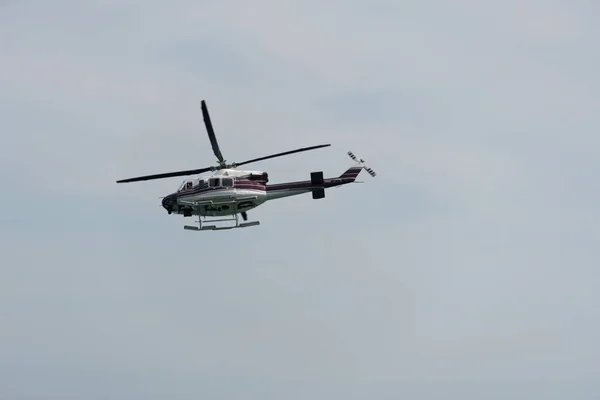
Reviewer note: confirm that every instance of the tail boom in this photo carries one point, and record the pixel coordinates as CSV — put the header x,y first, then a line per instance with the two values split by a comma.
x,y
317,184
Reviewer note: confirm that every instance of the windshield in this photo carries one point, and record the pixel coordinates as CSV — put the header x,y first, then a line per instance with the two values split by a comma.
x,y
185,185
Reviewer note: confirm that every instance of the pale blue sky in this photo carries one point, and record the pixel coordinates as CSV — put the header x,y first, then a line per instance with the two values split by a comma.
x,y
467,268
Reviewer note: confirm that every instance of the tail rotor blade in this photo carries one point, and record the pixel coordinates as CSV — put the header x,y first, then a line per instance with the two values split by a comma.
x,y
361,163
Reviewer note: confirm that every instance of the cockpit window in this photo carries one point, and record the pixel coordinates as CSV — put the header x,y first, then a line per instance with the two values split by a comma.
x,y
186,185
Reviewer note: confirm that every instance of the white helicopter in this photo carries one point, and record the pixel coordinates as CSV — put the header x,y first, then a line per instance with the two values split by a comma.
x,y
228,191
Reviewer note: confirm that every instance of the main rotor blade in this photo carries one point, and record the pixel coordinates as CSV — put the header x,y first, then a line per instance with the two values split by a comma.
x,y
211,132
282,154
166,175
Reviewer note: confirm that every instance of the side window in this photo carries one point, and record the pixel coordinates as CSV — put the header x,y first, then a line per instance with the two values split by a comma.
x,y
228,182
214,182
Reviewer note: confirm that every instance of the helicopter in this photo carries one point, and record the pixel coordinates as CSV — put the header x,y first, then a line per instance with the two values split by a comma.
x,y
228,193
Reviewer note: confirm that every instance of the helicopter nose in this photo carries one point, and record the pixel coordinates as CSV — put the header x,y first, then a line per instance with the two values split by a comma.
x,y
168,202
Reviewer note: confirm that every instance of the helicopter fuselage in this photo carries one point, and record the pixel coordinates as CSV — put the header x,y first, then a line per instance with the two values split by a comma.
x,y
229,192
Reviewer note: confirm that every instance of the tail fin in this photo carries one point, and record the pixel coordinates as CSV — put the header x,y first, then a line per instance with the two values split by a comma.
x,y
352,172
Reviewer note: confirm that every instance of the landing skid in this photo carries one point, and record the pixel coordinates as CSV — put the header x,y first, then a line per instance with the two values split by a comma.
x,y
202,220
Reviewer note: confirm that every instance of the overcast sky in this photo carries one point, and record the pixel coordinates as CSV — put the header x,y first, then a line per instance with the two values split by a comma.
x,y
467,268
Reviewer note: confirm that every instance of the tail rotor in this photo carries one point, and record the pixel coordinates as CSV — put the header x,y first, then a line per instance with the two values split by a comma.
x,y
361,163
